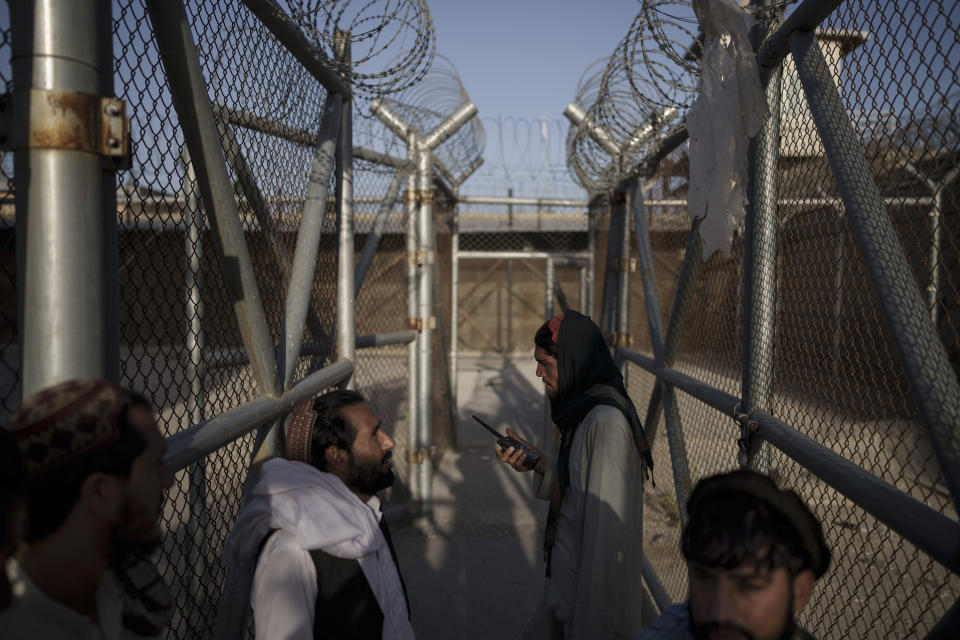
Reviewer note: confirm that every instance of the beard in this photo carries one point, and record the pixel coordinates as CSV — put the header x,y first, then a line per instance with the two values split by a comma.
x,y
369,477
702,631
136,534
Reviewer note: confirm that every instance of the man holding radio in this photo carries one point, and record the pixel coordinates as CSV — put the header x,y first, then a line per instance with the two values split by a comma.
x,y
594,484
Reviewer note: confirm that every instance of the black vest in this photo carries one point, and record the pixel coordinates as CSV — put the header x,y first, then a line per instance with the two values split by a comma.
x,y
346,607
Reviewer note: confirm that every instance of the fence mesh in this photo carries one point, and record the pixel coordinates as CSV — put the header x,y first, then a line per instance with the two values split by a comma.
x,y
172,293
836,376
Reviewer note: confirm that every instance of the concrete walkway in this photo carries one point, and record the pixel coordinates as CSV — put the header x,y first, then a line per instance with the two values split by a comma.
x,y
474,567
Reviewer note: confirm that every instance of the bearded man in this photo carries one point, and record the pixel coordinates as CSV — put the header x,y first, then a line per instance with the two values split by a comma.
x,y
753,553
592,542
325,564
95,486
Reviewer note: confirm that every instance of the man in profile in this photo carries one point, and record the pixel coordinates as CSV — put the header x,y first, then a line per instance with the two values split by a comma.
x,y
95,488
753,553
314,534
595,487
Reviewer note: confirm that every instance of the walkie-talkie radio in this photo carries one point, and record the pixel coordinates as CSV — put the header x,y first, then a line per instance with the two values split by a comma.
x,y
506,442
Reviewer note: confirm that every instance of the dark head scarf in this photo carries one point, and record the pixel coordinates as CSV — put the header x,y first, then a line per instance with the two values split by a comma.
x,y
586,377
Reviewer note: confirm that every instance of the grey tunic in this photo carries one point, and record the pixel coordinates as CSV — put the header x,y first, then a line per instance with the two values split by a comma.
x,y
595,586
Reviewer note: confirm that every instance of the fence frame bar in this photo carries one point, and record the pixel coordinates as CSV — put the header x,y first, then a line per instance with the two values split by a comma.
x,y
188,90
675,438
283,27
929,530
760,256
298,308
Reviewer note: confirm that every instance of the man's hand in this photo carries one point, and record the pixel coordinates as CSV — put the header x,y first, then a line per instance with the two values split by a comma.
x,y
515,457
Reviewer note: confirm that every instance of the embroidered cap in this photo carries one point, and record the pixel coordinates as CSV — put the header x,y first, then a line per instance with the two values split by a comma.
x,y
299,431
60,424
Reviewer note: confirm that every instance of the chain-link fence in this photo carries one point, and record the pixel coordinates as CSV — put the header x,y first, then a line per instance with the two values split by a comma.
x,y
173,296
179,338
836,374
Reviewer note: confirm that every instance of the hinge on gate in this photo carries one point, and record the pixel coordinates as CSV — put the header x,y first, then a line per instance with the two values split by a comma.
x,y
69,120
622,340
628,264
416,457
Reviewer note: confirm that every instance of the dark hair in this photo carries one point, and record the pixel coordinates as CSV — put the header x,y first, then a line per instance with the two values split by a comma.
x,y
51,497
544,340
330,428
742,519
13,481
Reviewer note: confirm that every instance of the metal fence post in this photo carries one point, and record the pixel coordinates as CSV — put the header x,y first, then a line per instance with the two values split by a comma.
x,y
675,438
300,285
623,290
689,270
197,551
454,302
760,277
426,256
66,226
346,319
922,353
609,312
413,304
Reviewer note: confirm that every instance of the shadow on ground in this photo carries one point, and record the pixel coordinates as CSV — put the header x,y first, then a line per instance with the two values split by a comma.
x,y
473,567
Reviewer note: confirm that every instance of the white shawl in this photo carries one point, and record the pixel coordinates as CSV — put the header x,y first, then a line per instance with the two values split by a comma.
x,y
321,513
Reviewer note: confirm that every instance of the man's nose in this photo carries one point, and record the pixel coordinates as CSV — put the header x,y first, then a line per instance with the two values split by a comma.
x,y
722,603
386,442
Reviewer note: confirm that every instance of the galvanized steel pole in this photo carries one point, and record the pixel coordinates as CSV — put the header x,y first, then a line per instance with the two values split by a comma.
x,y
623,293
300,286
198,521
425,261
413,302
675,437
760,276
689,271
927,368
66,227
346,318
454,301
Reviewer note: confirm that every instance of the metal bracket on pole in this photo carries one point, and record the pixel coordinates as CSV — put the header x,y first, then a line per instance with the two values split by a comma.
x,y
66,120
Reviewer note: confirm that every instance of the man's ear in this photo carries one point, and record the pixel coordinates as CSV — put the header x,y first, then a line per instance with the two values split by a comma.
x,y
332,455
101,495
802,589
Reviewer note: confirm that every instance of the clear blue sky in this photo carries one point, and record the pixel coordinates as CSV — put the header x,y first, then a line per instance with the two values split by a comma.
x,y
522,58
